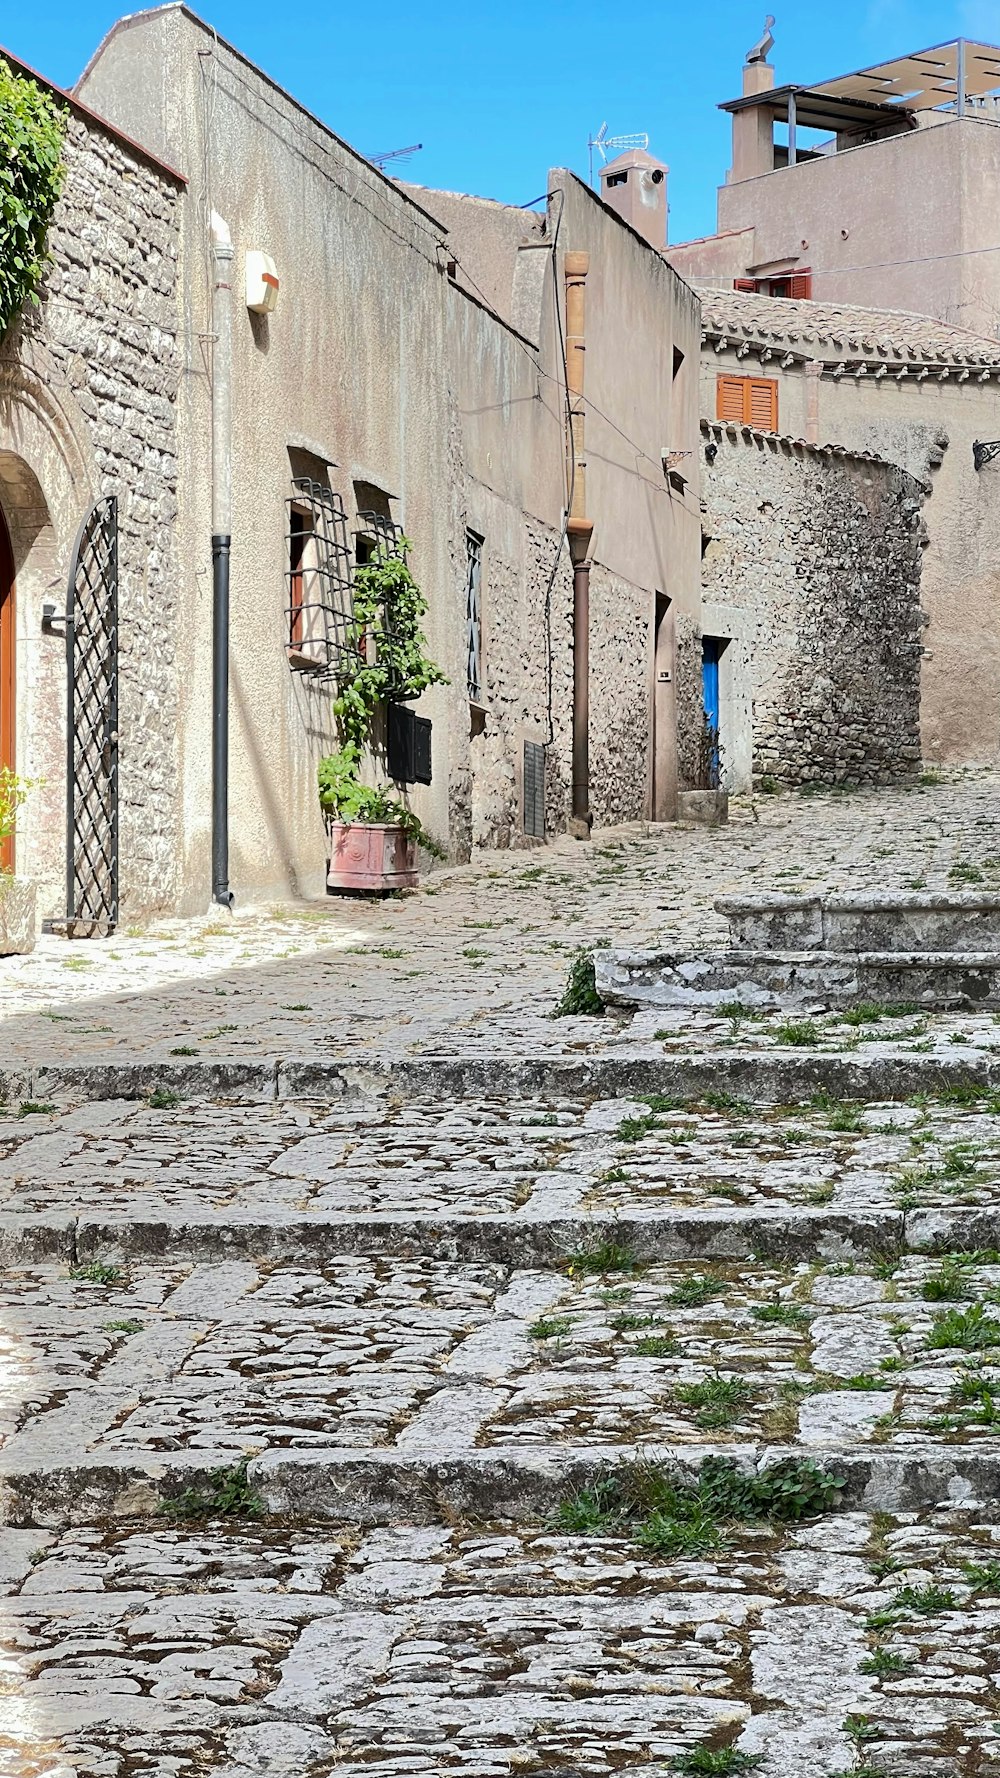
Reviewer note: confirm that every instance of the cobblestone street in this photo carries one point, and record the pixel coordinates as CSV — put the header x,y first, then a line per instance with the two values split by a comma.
x,y
388,1405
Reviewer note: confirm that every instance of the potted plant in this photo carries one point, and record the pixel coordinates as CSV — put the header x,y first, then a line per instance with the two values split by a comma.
x,y
17,894
373,835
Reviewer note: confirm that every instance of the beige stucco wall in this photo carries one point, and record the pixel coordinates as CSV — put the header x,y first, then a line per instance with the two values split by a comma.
x,y
899,224
382,364
928,427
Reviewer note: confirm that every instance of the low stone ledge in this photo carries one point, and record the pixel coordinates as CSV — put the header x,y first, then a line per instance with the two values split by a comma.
x,y
103,1079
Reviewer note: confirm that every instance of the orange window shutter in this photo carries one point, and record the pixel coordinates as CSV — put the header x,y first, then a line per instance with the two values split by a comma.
x,y
730,398
748,284
763,402
800,284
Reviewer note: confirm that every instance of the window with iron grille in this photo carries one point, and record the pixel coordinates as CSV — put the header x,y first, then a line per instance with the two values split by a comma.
x,y
319,605
534,790
474,615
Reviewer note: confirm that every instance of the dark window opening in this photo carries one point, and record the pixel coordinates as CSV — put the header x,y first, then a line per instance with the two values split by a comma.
x,y
474,616
678,360
318,594
616,179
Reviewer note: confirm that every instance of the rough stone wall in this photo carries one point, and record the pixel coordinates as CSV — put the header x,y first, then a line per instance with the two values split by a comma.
x,y
106,335
620,622
817,555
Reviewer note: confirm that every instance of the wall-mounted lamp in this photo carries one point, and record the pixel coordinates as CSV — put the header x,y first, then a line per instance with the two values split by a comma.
x,y
711,451
985,451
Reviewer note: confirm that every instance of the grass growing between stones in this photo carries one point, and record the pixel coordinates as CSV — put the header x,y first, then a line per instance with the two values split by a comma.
x,y
671,1517
602,1256
580,998
719,1401
96,1273
698,1760
970,1330
228,1495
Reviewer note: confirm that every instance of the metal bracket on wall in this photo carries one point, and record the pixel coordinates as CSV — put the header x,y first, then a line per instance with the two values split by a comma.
x,y
984,451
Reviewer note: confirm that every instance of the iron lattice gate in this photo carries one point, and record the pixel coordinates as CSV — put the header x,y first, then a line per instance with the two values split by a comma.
x,y
92,725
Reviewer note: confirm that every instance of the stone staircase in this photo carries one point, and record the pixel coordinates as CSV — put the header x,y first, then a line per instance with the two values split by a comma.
x,y
797,951
378,1431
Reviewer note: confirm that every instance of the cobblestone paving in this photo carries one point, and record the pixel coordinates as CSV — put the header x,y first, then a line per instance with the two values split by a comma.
x,y
477,956
548,1300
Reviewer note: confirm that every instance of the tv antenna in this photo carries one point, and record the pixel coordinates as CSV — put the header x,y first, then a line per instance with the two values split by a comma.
x,y
617,144
394,154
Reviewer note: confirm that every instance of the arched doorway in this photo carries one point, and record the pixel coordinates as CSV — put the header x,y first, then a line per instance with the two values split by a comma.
x,y
8,733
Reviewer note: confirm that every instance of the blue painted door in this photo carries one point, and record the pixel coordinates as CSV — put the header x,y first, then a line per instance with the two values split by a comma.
x,y
710,652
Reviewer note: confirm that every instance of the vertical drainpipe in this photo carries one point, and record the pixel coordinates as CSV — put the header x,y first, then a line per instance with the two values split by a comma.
x,y
222,523
579,530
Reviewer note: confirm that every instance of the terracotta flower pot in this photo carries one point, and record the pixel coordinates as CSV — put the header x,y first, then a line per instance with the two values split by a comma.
x,y
371,856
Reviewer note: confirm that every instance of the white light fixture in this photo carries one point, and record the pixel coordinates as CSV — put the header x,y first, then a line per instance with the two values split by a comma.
x,y
262,284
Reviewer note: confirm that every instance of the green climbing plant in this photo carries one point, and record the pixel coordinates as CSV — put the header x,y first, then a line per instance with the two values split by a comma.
x,y
386,659
31,176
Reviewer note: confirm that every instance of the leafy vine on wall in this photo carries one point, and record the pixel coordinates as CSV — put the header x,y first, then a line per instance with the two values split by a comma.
x,y
32,128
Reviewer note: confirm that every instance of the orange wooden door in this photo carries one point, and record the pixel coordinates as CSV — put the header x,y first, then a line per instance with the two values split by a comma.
x,y
7,677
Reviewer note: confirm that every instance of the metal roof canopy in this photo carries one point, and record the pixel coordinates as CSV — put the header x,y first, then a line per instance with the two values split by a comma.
x,y
944,75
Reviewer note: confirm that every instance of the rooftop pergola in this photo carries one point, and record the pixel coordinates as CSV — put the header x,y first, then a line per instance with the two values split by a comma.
x,y
944,77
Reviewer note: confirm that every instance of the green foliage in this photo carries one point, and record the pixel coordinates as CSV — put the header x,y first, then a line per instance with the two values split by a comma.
x,y
580,996
31,176
719,1400
699,1761
96,1273
162,1099
384,660
602,1256
694,1292
689,1518
948,1285
228,1494
784,1314
798,1032
33,1108
343,798
655,1346
550,1328
885,1663
125,1327
14,791
926,1601
972,1329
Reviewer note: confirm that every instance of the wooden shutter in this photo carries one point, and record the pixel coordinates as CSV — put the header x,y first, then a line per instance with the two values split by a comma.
x,y
750,401
800,285
748,284
730,398
762,402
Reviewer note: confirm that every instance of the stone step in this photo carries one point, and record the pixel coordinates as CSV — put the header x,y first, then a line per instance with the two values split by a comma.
x,y
495,1648
804,979
864,922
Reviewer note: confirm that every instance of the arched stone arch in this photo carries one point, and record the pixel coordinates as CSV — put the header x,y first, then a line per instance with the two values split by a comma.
x,y
47,479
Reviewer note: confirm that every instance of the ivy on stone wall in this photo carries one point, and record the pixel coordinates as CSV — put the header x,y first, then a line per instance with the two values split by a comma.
x,y
31,175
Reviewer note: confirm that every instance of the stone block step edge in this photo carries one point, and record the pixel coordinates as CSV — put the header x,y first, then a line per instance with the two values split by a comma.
x,y
764,1076
516,1241
366,1487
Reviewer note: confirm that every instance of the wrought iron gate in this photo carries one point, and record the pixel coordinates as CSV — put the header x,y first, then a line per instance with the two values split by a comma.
x,y
92,725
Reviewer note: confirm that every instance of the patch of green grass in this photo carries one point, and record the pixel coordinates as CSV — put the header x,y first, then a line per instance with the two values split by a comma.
x,y
798,1032
580,998
971,1330
982,1577
782,1314
860,1728
228,1494
550,1329
184,1049
738,1012
162,1099
630,1322
96,1273
655,1346
633,1129
673,1517
959,1161
925,1601
602,1256
125,1327
723,1101
661,1102
719,1401
846,1118
614,1176
33,1108
700,1761
694,1292
885,1663
950,1284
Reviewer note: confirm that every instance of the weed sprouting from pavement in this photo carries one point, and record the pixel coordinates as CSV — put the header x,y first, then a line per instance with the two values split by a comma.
x,y
228,1494
580,997
96,1273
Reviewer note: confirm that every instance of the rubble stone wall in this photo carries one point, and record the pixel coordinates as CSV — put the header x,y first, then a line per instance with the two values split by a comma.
x,y
813,560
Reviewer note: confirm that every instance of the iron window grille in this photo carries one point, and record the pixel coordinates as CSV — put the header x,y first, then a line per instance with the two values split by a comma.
x,y
319,610
474,615
534,789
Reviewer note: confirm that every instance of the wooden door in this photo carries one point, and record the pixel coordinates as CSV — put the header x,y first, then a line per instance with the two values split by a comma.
x,y
7,674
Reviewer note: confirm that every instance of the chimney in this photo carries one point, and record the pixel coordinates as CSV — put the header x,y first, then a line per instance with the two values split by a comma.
x,y
753,129
635,186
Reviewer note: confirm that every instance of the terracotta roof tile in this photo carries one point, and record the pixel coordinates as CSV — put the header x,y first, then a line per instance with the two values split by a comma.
x,y
841,330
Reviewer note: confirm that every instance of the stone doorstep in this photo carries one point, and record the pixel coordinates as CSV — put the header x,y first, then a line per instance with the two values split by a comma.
x,y
771,979
863,922
765,1076
366,1487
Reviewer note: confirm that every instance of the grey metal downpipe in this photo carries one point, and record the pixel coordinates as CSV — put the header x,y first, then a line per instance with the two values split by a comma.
x,y
222,490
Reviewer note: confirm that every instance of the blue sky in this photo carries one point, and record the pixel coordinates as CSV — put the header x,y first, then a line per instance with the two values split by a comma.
x,y
497,93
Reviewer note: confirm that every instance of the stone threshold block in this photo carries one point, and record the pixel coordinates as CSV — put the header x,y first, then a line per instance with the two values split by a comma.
x,y
863,922
796,980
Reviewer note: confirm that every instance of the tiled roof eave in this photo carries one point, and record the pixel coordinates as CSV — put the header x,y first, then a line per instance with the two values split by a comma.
x,y
735,429
903,363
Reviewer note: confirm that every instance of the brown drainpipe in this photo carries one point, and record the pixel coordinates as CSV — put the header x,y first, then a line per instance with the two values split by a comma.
x,y
579,530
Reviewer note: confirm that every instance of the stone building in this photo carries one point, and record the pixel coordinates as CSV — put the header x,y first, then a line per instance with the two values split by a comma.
x,y
876,188
924,396
403,384
89,385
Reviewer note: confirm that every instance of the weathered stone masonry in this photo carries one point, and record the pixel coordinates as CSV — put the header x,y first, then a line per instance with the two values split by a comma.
x,y
816,554
105,342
